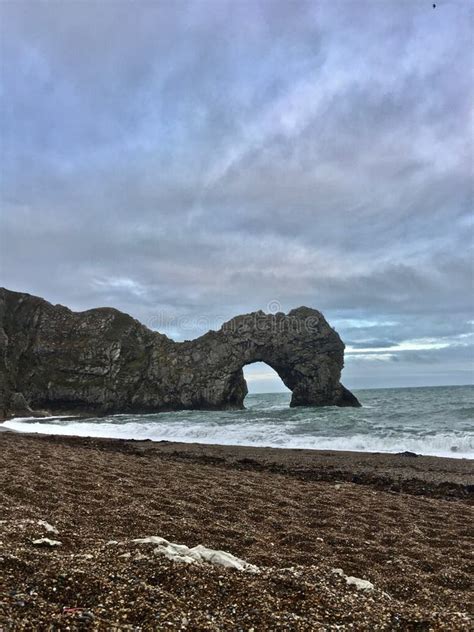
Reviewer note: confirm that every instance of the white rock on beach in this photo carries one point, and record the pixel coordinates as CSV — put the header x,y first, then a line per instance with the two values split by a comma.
x,y
360,584
47,526
46,542
197,554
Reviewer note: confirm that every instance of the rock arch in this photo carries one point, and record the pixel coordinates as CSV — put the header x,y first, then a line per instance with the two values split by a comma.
x,y
104,361
300,346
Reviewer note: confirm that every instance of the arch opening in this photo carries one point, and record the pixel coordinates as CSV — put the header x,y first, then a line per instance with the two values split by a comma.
x,y
261,379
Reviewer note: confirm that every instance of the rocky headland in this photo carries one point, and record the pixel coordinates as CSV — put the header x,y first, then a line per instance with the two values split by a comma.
x,y
104,361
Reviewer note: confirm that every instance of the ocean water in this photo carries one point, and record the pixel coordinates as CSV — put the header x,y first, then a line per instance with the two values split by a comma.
x,y
433,420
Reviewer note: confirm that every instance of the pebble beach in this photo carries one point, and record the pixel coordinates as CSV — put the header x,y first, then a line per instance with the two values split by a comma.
x,y
328,540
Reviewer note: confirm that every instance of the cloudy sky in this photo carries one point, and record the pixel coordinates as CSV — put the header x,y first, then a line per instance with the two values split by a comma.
x,y
187,161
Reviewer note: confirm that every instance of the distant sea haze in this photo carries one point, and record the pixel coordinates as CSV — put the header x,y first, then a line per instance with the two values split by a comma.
x,y
431,420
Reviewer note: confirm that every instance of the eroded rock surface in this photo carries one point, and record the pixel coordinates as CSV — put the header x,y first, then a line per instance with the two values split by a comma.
x,y
104,361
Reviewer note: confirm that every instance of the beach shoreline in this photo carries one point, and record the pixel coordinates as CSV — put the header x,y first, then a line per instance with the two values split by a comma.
x,y
406,471
398,521
424,421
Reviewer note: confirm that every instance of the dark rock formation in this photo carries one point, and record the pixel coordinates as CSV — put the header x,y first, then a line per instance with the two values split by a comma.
x,y
104,361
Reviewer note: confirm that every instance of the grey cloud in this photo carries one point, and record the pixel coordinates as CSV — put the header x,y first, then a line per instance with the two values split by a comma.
x,y
185,165
371,343
437,367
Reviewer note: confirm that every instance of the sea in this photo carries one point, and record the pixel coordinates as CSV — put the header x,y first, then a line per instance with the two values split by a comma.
x,y
431,421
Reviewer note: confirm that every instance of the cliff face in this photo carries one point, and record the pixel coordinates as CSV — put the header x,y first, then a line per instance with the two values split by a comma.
x,y
104,361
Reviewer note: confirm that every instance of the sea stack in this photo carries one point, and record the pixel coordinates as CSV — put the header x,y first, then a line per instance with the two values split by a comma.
x,y
104,361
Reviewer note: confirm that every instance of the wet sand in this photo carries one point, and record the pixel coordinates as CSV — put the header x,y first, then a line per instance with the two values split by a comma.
x,y
402,522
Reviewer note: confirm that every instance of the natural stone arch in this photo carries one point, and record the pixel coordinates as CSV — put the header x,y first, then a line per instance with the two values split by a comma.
x,y
300,347
104,361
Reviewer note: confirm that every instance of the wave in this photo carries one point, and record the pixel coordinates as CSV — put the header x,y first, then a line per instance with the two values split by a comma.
x,y
426,421
251,433
32,419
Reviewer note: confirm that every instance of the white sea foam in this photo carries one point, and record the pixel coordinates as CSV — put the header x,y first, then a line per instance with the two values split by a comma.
x,y
257,434
430,421
32,419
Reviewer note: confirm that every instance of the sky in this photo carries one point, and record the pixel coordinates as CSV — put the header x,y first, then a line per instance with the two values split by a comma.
x,y
189,161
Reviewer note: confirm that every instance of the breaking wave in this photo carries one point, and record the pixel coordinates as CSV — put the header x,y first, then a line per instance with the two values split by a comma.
x,y
430,421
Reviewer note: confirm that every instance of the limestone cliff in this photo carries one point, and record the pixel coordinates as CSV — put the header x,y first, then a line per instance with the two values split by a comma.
x,y
104,361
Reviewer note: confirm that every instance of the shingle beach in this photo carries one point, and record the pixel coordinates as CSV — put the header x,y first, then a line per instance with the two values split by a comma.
x,y
309,524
